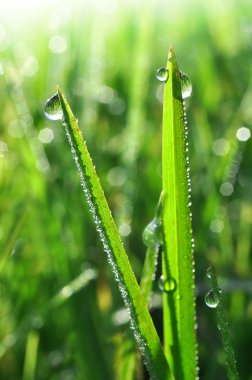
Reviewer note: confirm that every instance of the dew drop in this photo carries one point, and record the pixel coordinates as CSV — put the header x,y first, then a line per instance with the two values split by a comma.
x,y
186,85
166,284
209,272
152,235
53,110
162,74
211,299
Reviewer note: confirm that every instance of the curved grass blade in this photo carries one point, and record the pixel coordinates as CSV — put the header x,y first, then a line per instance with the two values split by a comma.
x,y
131,358
177,262
141,322
223,325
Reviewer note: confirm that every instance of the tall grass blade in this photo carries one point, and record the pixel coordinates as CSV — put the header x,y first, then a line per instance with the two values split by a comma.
x,y
177,262
141,322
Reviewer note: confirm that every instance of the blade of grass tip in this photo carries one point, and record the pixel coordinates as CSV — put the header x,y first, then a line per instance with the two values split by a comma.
x,y
214,299
177,260
141,322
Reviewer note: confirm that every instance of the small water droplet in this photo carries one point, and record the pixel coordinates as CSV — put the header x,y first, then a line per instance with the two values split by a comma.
x,y
162,74
209,272
211,299
53,110
37,322
152,235
186,85
166,284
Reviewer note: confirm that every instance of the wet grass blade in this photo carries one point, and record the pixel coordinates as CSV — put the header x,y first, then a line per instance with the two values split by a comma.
x,y
142,325
131,360
214,296
177,261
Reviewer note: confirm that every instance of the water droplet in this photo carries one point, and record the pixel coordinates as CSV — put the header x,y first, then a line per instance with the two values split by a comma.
x,y
166,284
186,85
53,110
162,74
211,299
37,322
209,272
152,235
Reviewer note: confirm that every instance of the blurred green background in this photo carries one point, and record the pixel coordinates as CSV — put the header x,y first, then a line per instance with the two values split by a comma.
x,y
61,315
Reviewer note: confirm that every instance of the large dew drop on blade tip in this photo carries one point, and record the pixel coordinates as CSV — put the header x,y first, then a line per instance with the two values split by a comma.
x,y
53,110
186,85
162,74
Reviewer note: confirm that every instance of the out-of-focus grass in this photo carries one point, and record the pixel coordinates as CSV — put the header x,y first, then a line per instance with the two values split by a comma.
x,y
93,52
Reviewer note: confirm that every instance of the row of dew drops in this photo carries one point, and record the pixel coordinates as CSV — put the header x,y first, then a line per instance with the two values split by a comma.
x,y
53,110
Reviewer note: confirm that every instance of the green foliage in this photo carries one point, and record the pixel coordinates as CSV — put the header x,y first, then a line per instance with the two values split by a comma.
x,y
47,240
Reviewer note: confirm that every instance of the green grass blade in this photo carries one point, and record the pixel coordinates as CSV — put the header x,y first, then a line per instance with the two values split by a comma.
x,y
141,321
126,363
150,262
215,296
148,273
130,357
179,302
31,355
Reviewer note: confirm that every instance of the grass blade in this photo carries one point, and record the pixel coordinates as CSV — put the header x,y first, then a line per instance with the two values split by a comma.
x,y
179,303
214,299
31,355
141,321
148,273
